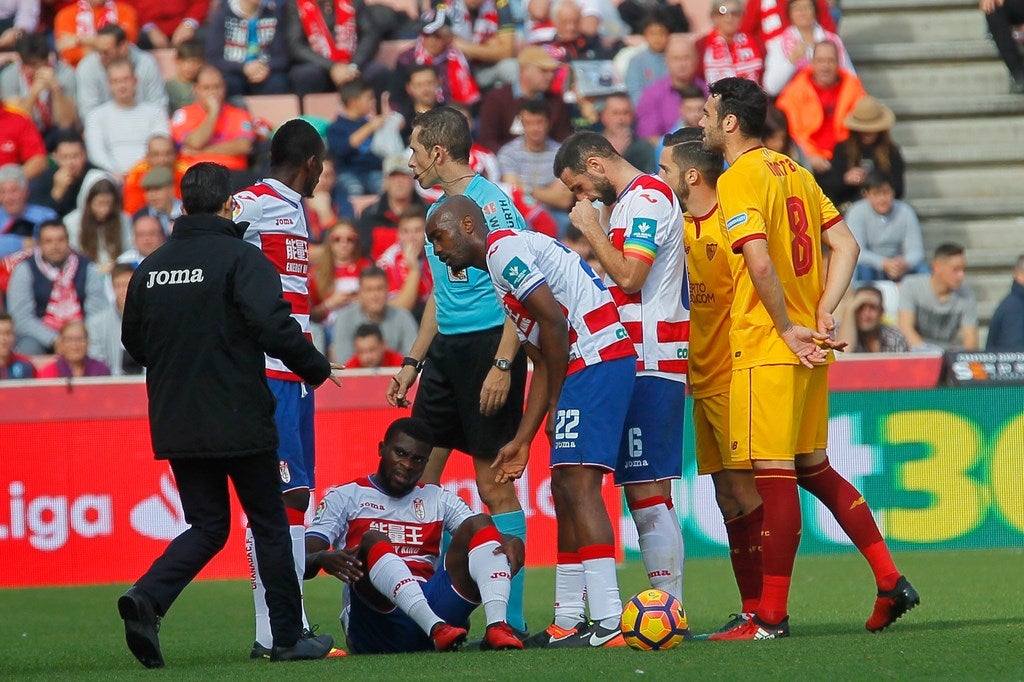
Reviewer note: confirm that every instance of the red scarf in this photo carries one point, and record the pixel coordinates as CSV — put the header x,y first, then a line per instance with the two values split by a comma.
x,y
460,79
339,47
739,58
64,305
85,21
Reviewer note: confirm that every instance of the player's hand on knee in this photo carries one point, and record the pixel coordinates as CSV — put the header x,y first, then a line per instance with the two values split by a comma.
x,y
513,549
343,564
511,461
494,391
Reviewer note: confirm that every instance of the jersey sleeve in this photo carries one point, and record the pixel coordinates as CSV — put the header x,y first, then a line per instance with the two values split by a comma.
x,y
650,214
742,219
330,521
512,267
455,511
246,208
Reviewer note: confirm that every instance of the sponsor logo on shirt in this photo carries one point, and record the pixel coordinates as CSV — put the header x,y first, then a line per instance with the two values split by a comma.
x,y
515,272
736,221
643,228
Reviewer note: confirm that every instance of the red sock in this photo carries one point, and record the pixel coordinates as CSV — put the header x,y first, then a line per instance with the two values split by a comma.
x,y
755,522
748,578
854,516
780,538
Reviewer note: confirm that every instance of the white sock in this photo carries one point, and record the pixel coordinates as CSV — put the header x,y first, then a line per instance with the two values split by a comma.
x,y
661,546
298,534
569,587
264,637
493,577
602,584
392,578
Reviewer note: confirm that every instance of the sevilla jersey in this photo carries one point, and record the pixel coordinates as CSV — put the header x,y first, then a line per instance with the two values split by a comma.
x,y
767,195
707,267
277,225
520,262
413,523
647,224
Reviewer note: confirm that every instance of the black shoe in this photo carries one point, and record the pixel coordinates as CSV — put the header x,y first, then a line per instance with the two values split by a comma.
x,y
259,652
552,634
306,649
141,625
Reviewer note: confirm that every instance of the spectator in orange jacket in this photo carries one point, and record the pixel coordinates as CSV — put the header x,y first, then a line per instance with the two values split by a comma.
x,y
817,102
160,152
75,26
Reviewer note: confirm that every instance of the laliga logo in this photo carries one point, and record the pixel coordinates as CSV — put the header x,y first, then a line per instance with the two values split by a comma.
x,y
160,516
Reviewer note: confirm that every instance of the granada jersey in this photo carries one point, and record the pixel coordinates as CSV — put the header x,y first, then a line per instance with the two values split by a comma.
x,y
707,267
465,299
413,523
520,262
647,224
277,225
766,195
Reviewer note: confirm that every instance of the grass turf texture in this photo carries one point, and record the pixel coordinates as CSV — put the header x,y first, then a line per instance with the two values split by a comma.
x,y
969,626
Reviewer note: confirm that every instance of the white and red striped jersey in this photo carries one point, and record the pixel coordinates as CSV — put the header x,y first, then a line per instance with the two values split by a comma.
x,y
277,225
646,223
520,262
413,523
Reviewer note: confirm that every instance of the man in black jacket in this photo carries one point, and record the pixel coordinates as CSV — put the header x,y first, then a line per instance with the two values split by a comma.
x,y
201,311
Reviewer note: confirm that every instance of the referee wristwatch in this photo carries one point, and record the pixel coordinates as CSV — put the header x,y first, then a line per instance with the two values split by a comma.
x,y
503,364
414,363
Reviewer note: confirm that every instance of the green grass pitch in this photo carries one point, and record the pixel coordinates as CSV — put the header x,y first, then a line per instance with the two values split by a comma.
x,y
970,625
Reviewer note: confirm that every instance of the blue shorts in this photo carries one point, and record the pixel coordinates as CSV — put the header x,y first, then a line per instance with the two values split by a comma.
x,y
591,411
294,418
651,448
371,632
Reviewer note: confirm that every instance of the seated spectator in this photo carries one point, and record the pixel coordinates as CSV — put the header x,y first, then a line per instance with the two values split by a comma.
x,y
398,326
691,107
76,27
537,25
792,50
569,39
41,86
421,93
764,20
601,20
1006,330
349,141
371,351
658,107
105,328
633,13
869,147
405,263
91,86
616,123
727,52
210,129
335,273
12,365
21,143
73,361
435,47
148,236
321,44
17,19
939,311
499,112
169,23
98,228
246,42
160,153
53,286
321,212
158,184
58,186
527,162
485,31
1002,16
190,56
378,223
817,102
648,65
19,219
119,130
862,327
778,139
888,232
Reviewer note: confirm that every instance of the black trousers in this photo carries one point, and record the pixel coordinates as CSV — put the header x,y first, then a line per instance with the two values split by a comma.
x,y
1000,25
203,487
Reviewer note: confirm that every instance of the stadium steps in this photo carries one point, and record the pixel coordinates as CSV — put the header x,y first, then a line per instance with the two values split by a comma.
x,y
962,134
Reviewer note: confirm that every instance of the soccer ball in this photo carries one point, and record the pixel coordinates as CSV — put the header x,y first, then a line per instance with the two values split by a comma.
x,y
653,620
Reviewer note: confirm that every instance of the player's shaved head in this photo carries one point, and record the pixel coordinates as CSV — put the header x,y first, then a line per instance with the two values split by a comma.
x,y
457,231
453,211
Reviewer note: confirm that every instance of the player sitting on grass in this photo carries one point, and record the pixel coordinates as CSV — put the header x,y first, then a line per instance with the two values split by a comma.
x,y
386,530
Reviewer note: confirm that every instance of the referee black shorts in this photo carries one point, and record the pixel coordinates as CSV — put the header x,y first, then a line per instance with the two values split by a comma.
x,y
448,397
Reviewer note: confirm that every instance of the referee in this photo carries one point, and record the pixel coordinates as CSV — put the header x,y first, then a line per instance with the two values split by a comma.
x,y
200,313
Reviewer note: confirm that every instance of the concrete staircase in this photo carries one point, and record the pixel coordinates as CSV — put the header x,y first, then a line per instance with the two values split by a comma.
x,y
961,132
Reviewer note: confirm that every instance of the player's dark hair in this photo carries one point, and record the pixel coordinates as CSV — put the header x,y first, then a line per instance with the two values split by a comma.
x,y
417,429
368,329
115,31
447,128
371,271
579,147
537,107
745,100
688,151
33,47
354,88
191,49
876,179
205,188
948,249
294,143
